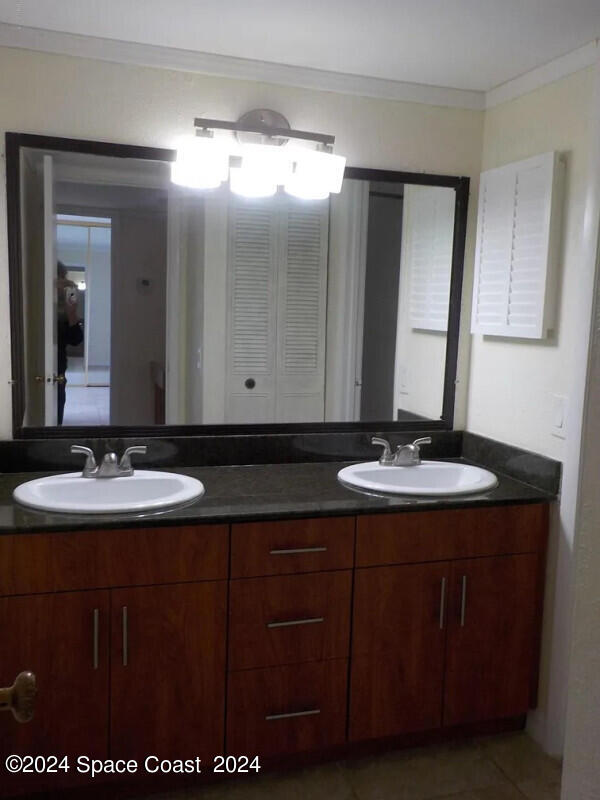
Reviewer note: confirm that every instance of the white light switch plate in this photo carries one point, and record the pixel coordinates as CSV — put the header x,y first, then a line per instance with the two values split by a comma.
x,y
558,415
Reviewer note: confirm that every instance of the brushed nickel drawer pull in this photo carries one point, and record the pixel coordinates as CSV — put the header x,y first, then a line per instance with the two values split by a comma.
x,y
463,601
443,604
125,636
291,551
290,622
311,712
96,631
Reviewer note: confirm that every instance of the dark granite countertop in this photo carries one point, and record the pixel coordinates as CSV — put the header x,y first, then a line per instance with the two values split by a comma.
x,y
261,491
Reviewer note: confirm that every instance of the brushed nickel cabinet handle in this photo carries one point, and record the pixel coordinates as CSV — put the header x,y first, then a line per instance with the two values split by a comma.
x,y
95,641
291,551
311,712
290,622
125,636
463,601
442,603
20,697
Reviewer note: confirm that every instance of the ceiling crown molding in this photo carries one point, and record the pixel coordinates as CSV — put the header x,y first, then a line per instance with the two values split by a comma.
x,y
548,73
230,67
148,55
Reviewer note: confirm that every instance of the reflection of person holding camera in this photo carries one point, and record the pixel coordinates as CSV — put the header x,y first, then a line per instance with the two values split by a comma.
x,y
69,331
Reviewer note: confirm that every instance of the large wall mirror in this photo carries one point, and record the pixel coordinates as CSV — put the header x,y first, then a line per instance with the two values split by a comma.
x,y
136,303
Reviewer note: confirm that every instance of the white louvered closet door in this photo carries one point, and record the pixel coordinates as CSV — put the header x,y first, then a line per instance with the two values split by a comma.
x,y
277,283
251,328
300,392
429,219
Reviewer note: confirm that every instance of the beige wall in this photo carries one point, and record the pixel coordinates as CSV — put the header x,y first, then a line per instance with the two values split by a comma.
x,y
512,381
65,96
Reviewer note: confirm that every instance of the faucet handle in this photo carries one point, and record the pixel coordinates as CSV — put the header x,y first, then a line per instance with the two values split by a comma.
x,y
424,440
386,457
125,463
90,461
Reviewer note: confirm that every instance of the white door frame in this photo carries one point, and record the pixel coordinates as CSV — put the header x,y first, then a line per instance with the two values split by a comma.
x,y
580,505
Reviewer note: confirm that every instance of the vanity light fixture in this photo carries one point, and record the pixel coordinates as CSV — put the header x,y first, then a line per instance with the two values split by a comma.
x,y
259,159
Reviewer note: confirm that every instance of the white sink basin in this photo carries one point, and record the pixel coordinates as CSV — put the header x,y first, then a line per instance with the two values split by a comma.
x,y
427,478
145,490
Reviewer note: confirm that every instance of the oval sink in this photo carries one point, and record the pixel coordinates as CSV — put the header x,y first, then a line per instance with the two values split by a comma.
x,y
145,490
427,478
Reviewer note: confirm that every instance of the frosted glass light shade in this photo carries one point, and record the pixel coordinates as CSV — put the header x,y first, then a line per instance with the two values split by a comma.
x,y
316,175
201,163
263,168
251,182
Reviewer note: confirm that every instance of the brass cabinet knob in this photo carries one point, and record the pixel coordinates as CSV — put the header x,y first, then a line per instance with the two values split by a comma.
x,y
20,697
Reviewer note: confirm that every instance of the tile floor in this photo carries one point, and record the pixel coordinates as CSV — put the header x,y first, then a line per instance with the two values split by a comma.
x,y
506,767
87,405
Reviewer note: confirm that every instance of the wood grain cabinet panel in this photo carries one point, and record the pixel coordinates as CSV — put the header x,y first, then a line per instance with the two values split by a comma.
x,y
492,625
443,535
168,671
63,639
288,619
400,618
290,709
290,546
53,562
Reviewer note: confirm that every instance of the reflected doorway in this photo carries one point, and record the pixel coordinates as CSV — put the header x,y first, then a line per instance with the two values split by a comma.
x,y
83,246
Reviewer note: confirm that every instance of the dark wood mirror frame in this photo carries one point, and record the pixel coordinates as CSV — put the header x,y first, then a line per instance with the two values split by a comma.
x,y
14,141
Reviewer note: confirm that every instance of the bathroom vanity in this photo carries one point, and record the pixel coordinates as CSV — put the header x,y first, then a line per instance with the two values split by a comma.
x,y
258,627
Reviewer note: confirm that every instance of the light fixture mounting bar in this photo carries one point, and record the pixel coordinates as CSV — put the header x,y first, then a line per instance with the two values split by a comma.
x,y
265,130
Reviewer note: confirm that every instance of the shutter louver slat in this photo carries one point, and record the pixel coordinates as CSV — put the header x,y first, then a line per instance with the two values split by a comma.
x,y
251,295
303,310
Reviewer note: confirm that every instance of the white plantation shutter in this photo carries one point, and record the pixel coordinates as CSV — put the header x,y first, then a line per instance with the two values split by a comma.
x,y
302,302
517,248
429,217
251,312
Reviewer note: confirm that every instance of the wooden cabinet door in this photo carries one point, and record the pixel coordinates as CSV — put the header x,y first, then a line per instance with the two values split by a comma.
x,y
398,649
492,627
63,640
168,671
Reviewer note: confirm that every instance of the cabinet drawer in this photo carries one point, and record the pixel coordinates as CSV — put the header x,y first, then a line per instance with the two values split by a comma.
x,y
57,562
443,535
297,545
289,619
287,709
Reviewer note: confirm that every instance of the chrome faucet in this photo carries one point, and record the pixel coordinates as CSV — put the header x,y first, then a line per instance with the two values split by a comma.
x,y
110,467
406,455
409,455
387,457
